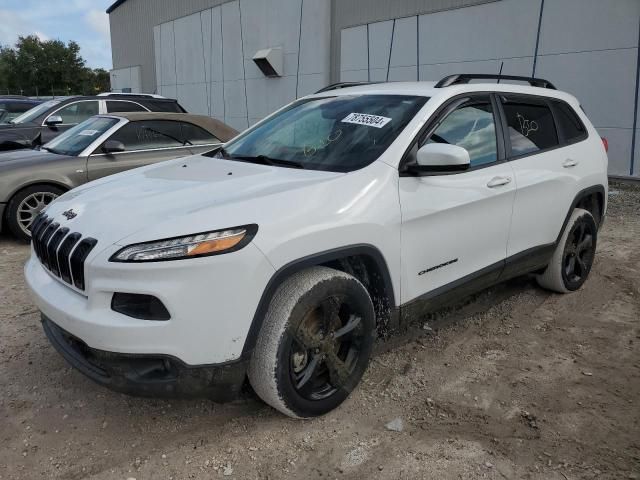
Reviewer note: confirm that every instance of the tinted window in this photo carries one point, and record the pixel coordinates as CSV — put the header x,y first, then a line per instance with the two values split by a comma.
x,y
35,112
196,135
114,106
337,133
76,139
472,127
78,112
144,135
162,106
531,125
568,122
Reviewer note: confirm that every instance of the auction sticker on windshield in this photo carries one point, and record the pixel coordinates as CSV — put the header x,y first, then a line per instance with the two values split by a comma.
x,y
366,119
89,133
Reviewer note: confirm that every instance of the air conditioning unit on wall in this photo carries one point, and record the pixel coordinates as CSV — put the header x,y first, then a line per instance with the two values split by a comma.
x,y
270,61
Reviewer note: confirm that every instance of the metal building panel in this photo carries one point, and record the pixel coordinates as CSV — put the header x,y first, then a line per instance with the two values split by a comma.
x,y
315,39
168,54
603,81
216,92
232,42
354,76
157,57
354,49
379,34
405,43
496,30
580,25
311,83
234,99
194,97
216,45
190,62
619,149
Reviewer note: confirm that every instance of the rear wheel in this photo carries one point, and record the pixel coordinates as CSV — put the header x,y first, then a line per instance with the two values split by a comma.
x,y
574,254
315,343
26,205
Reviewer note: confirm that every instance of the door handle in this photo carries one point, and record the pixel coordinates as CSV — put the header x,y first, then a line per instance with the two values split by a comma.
x,y
570,163
498,182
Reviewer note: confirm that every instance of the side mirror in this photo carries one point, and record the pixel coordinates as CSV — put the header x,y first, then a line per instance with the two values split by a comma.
x,y
54,120
113,146
440,157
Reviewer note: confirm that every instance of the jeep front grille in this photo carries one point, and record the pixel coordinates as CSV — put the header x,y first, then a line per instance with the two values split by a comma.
x,y
61,252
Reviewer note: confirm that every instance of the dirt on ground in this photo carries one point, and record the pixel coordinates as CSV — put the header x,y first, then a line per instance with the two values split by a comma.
x,y
518,383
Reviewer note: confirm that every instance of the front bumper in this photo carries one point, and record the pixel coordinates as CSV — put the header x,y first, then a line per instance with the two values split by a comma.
x,y
147,375
211,301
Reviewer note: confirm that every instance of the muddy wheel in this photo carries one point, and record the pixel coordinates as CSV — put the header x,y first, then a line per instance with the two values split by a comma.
x,y
25,206
315,343
574,254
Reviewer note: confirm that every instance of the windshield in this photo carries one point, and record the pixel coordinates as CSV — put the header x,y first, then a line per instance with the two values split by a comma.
x,y
35,112
338,134
76,139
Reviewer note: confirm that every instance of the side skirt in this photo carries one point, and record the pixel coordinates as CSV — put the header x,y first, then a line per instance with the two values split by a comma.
x,y
520,264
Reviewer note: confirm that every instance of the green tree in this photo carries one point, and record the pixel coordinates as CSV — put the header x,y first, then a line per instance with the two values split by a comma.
x,y
51,67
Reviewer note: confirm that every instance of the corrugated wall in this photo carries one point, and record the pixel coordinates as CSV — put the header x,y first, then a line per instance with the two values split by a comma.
x,y
132,31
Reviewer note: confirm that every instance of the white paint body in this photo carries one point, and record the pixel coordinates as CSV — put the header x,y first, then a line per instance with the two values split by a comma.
x,y
415,223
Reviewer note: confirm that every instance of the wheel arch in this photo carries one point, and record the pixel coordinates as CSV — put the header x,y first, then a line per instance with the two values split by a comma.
x,y
363,261
33,183
591,199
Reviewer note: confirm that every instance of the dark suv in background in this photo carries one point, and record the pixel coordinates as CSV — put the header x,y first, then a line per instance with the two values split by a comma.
x,y
12,106
46,121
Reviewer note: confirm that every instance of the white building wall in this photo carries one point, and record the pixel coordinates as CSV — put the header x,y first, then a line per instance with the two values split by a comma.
x,y
205,59
125,79
586,47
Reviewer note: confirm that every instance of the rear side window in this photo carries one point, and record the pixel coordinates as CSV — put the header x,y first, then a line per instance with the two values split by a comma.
x,y
163,106
114,106
196,135
531,125
569,123
145,135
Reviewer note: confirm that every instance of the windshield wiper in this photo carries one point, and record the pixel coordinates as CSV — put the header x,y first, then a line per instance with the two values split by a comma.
x,y
265,160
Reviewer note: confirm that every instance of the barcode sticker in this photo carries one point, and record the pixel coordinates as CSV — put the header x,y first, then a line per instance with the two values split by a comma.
x,y
366,119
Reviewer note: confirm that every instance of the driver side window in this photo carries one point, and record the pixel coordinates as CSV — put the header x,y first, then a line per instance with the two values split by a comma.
x,y
472,127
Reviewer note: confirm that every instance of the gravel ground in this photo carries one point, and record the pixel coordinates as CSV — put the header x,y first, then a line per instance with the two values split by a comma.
x,y
517,384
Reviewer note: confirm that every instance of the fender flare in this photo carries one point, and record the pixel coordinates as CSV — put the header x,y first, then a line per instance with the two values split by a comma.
x,y
579,196
309,261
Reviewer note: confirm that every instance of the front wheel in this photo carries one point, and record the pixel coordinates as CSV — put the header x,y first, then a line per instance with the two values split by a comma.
x,y
573,257
26,205
315,343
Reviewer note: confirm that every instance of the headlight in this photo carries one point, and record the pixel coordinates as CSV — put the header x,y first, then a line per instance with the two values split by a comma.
x,y
190,246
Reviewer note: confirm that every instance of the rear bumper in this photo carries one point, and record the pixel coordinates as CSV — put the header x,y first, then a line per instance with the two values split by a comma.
x,y
148,375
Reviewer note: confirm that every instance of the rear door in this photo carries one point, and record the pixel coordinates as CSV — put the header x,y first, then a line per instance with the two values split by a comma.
x,y
145,142
455,226
545,174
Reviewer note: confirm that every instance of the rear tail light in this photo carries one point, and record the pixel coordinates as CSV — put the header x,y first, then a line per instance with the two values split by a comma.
x,y
605,142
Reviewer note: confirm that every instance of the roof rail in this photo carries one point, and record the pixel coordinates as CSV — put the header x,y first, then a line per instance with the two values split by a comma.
x,y
336,86
462,78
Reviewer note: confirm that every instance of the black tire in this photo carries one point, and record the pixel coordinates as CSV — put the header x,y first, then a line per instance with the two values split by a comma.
x,y
572,260
315,343
16,215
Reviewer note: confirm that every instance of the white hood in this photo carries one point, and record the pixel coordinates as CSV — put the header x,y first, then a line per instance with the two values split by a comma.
x,y
178,197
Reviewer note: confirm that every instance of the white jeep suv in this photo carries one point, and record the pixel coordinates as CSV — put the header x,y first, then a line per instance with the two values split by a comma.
x,y
282,256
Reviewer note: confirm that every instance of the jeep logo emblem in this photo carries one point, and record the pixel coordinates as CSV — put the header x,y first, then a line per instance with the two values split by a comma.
x,y
70,214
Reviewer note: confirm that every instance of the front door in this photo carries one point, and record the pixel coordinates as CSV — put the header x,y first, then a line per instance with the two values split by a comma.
x,y
455,226
71,114
145,142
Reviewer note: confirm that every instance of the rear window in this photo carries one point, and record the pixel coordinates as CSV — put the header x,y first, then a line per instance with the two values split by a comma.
x,y
531,125
569,123
163,106
114,106
197,136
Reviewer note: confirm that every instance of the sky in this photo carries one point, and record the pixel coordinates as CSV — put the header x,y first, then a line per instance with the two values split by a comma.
x,y
83,21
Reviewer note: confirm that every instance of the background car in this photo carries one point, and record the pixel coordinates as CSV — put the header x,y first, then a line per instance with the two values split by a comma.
x,y
46,121
12,106
100,146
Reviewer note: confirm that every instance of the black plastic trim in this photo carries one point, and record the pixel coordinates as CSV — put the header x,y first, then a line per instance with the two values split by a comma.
x,y
463,78
64,253
583,194
251,231
129,304
52,250
310,261
78,257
